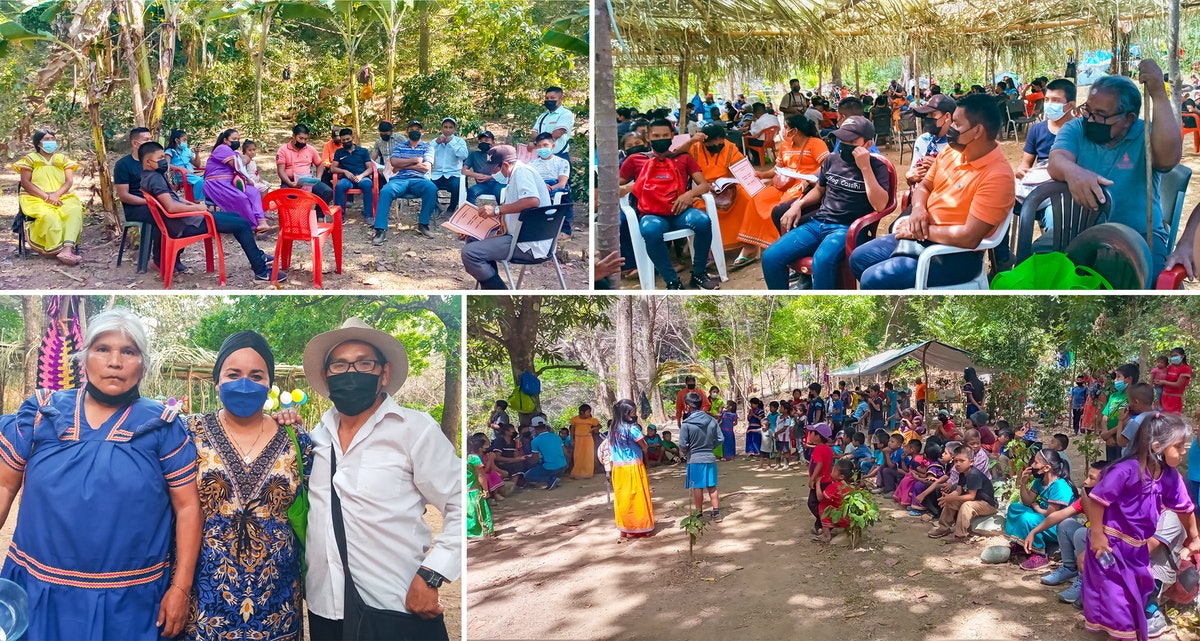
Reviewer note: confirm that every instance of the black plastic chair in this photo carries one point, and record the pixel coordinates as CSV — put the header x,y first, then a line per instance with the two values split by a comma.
x,y
1116,252
533,225
884,133
146,229
1070,218
907,129
1023,121
20,227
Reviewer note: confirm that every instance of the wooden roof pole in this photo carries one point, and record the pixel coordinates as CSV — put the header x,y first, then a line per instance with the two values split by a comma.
x,y
684,61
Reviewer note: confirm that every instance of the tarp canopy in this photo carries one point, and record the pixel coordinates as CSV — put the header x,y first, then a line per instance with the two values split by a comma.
x,y
931,353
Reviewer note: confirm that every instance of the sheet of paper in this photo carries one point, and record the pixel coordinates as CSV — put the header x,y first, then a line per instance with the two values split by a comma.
x,y
679,141
791,173
744,172
523,153
467,220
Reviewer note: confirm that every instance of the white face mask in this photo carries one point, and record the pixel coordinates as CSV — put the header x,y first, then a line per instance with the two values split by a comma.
x,y
499,177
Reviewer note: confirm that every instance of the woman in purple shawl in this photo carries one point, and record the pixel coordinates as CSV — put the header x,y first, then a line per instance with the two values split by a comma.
x,y
1122,516
228,186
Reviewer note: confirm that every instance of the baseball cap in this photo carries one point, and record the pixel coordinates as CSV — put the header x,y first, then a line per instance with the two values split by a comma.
x,y
537,420
415,123
485,134
449,119
822,429
499,155
979,418
937,102
855,127
385,126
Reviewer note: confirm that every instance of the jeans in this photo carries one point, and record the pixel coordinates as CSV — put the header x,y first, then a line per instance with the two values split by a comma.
x,y
368,195
1067,531
422,188
540,474
875,268
654,227
479,258
825,242
238,227
486,188
449,184
323,191
1076,417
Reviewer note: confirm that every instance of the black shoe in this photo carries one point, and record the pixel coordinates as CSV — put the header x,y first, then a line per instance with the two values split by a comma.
x,y
804,283
265,274
675,285
705,282
424,231
380,237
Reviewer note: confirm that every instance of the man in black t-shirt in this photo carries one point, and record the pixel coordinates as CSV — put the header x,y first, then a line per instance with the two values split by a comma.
x,y
127,176
476,167
154,182
972,497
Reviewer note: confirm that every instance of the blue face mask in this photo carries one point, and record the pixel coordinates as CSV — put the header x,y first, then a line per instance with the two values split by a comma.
x,y
1175,360
184,146
544,153
243,397
1053,110
1119,385
50,146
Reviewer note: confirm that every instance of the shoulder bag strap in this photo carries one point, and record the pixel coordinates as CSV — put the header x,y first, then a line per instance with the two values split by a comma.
x,y
339,533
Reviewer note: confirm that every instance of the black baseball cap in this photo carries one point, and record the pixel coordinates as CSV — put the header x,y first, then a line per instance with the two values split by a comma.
x,y
937,102
855,127
385,126
415,123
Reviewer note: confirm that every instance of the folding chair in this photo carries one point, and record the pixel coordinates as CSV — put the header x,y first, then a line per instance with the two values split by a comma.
x,y
538,224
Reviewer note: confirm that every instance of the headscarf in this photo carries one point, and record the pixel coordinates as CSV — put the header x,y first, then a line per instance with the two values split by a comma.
x,y
241,340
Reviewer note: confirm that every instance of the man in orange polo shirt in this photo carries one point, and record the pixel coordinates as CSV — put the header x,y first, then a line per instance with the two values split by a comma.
x,y
968,191
689,385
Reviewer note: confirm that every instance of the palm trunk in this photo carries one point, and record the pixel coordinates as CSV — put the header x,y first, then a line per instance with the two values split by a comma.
x,y
94,93
391,71
423,42
166,62
608,220
259,54
129,19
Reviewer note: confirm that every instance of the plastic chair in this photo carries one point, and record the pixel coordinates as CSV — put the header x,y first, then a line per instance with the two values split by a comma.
x,y
179,173
170,247
861,231
143,243
1171,189
20,227
906,131
298,222
1069,218
354,190
1194,120
534,225
1038,108
1116,252
646,271
980,281
884,133
1012,111
767,136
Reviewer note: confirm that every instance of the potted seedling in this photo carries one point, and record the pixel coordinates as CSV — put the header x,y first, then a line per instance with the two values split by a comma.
x,y
860,509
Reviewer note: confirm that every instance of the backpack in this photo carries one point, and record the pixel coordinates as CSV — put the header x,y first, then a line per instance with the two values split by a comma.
x,y
521,402
529,384
657,186
604,453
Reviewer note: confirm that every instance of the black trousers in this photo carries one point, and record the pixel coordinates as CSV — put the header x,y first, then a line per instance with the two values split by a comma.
x,y
322,629
1076,417
449,184
814,504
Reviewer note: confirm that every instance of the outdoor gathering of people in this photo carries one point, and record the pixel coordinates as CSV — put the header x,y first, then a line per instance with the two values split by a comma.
x,y
817,187
137,521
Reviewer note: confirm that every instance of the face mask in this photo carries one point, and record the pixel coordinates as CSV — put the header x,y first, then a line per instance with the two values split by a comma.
x,y
636,149
353,393
847,153
300,145
414,135
50,146
243,397
550,105
485,146
661,146
162,166
385,137
348,145
930,126
184,146
234,145
952,135
1175,360
500,178
112,400
691,386
1119,385
1054,110
715,149
1097,133
544,153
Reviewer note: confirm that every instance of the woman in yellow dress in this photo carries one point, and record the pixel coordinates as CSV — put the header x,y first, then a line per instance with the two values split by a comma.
x,y
801,152
584,427
46,180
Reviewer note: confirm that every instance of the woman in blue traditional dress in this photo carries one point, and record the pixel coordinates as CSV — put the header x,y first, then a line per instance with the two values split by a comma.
x,y
228,186
109,487
1051,491
180,154
248,579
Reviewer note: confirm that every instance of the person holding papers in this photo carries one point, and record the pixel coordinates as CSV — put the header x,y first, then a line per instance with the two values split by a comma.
x,y
525,190
853,183
716,155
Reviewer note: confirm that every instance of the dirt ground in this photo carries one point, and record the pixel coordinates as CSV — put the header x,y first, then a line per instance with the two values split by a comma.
x,y
557,571
451,593
407,261
750,276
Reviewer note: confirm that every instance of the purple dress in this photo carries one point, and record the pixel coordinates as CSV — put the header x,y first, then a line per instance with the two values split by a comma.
x,y
219,188
1114,599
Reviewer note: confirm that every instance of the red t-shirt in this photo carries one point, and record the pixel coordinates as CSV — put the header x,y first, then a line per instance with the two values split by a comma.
x,y
687,166
822,454
834,495
681,406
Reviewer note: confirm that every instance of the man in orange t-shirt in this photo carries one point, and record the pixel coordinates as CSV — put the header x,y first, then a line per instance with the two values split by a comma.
x,y
919,395
681,408
967,193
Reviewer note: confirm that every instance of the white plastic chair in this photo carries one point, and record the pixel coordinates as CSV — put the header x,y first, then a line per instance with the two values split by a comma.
x,y
993,240
646,271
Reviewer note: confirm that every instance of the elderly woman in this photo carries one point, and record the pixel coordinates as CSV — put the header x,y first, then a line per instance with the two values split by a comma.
x,y
46,198
251,470
109,487
228,186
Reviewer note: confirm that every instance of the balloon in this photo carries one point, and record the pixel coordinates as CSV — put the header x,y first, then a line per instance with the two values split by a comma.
x,y
299,397
285,399
269,404
274,393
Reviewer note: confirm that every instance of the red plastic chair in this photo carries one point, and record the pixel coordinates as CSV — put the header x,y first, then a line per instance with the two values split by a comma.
x,y
861,231
768,139
1195,130
355,190
188,194
298,222
172,246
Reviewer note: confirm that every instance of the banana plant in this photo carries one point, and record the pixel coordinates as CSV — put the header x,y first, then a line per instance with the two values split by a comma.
x,y
389,13
570,33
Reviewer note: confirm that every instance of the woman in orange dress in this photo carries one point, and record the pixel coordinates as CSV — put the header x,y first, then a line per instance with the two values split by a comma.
x,y
714,153
801,152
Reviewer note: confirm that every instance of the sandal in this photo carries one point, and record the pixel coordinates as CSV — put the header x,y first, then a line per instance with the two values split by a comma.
x,y
742,261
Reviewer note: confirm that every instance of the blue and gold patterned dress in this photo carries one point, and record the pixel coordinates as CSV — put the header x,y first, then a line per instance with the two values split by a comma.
x,y
248,580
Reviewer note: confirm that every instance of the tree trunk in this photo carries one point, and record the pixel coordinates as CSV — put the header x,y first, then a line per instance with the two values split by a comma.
x,y
650,327
857,87
391,71
452,410
129,19
836,73
168,31
423,42
1174,75
608,218
268,12
624,322
94,94
34,317
684,63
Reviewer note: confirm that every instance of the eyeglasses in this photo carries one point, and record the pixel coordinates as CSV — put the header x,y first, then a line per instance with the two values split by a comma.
x,y
365,366
1088,114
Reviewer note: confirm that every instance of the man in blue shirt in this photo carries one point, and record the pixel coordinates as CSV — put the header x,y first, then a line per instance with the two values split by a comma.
x,y
449,152
413,161
352,167
1079,395
549,456
1105,148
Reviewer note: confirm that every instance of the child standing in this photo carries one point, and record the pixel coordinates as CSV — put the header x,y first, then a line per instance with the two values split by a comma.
x,y
1157,372
783,432
1125,507
830,498
819,466
479,514
1072,538
727,418
584,428
754,423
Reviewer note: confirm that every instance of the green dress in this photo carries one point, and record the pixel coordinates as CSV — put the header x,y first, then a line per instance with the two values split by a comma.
x,y
479,515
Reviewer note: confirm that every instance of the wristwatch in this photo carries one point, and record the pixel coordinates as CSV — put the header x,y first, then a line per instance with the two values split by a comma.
x,y
431,578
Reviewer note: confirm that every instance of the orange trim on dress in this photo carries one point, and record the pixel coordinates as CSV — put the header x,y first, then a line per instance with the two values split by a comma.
x,y
75,578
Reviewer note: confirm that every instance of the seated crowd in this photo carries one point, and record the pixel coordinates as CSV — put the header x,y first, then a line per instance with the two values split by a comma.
x,y
959,188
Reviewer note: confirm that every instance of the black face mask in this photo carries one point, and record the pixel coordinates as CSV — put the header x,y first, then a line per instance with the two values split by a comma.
x,y
485,146
1097,133
112,400
636,149
661,146
715,149
385,137
162,166
550,105
348,145
414,135
930,126
691,386
952,135
847,153
235,145
300,145
353,393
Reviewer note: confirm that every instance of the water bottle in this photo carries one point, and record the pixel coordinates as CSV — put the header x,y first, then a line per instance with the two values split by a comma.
x,y
14,610
1107,560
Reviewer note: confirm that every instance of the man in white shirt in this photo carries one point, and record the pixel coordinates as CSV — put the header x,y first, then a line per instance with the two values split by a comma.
x,y
449,152
376,466
762,120
557,121
525,190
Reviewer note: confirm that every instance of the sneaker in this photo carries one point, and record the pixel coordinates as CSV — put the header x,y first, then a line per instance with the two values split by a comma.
x,y
705,282
380,237
1061,575
939,532
1156,624
265,274
716,516
912,512
1072,594
677,285
552,484
424,231
1035,562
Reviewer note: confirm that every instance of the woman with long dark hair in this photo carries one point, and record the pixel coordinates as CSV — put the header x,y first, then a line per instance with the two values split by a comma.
x,y
1051,491
228,186
631,489
972,391
180,154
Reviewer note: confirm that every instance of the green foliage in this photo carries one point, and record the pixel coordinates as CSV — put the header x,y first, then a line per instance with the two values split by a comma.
x,y
1047,392
694,524
646,87
860,507
535,324
1019,456
443,93
1091,446
204,104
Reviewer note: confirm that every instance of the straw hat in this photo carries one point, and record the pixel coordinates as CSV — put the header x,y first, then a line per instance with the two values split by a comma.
x,y
354,329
